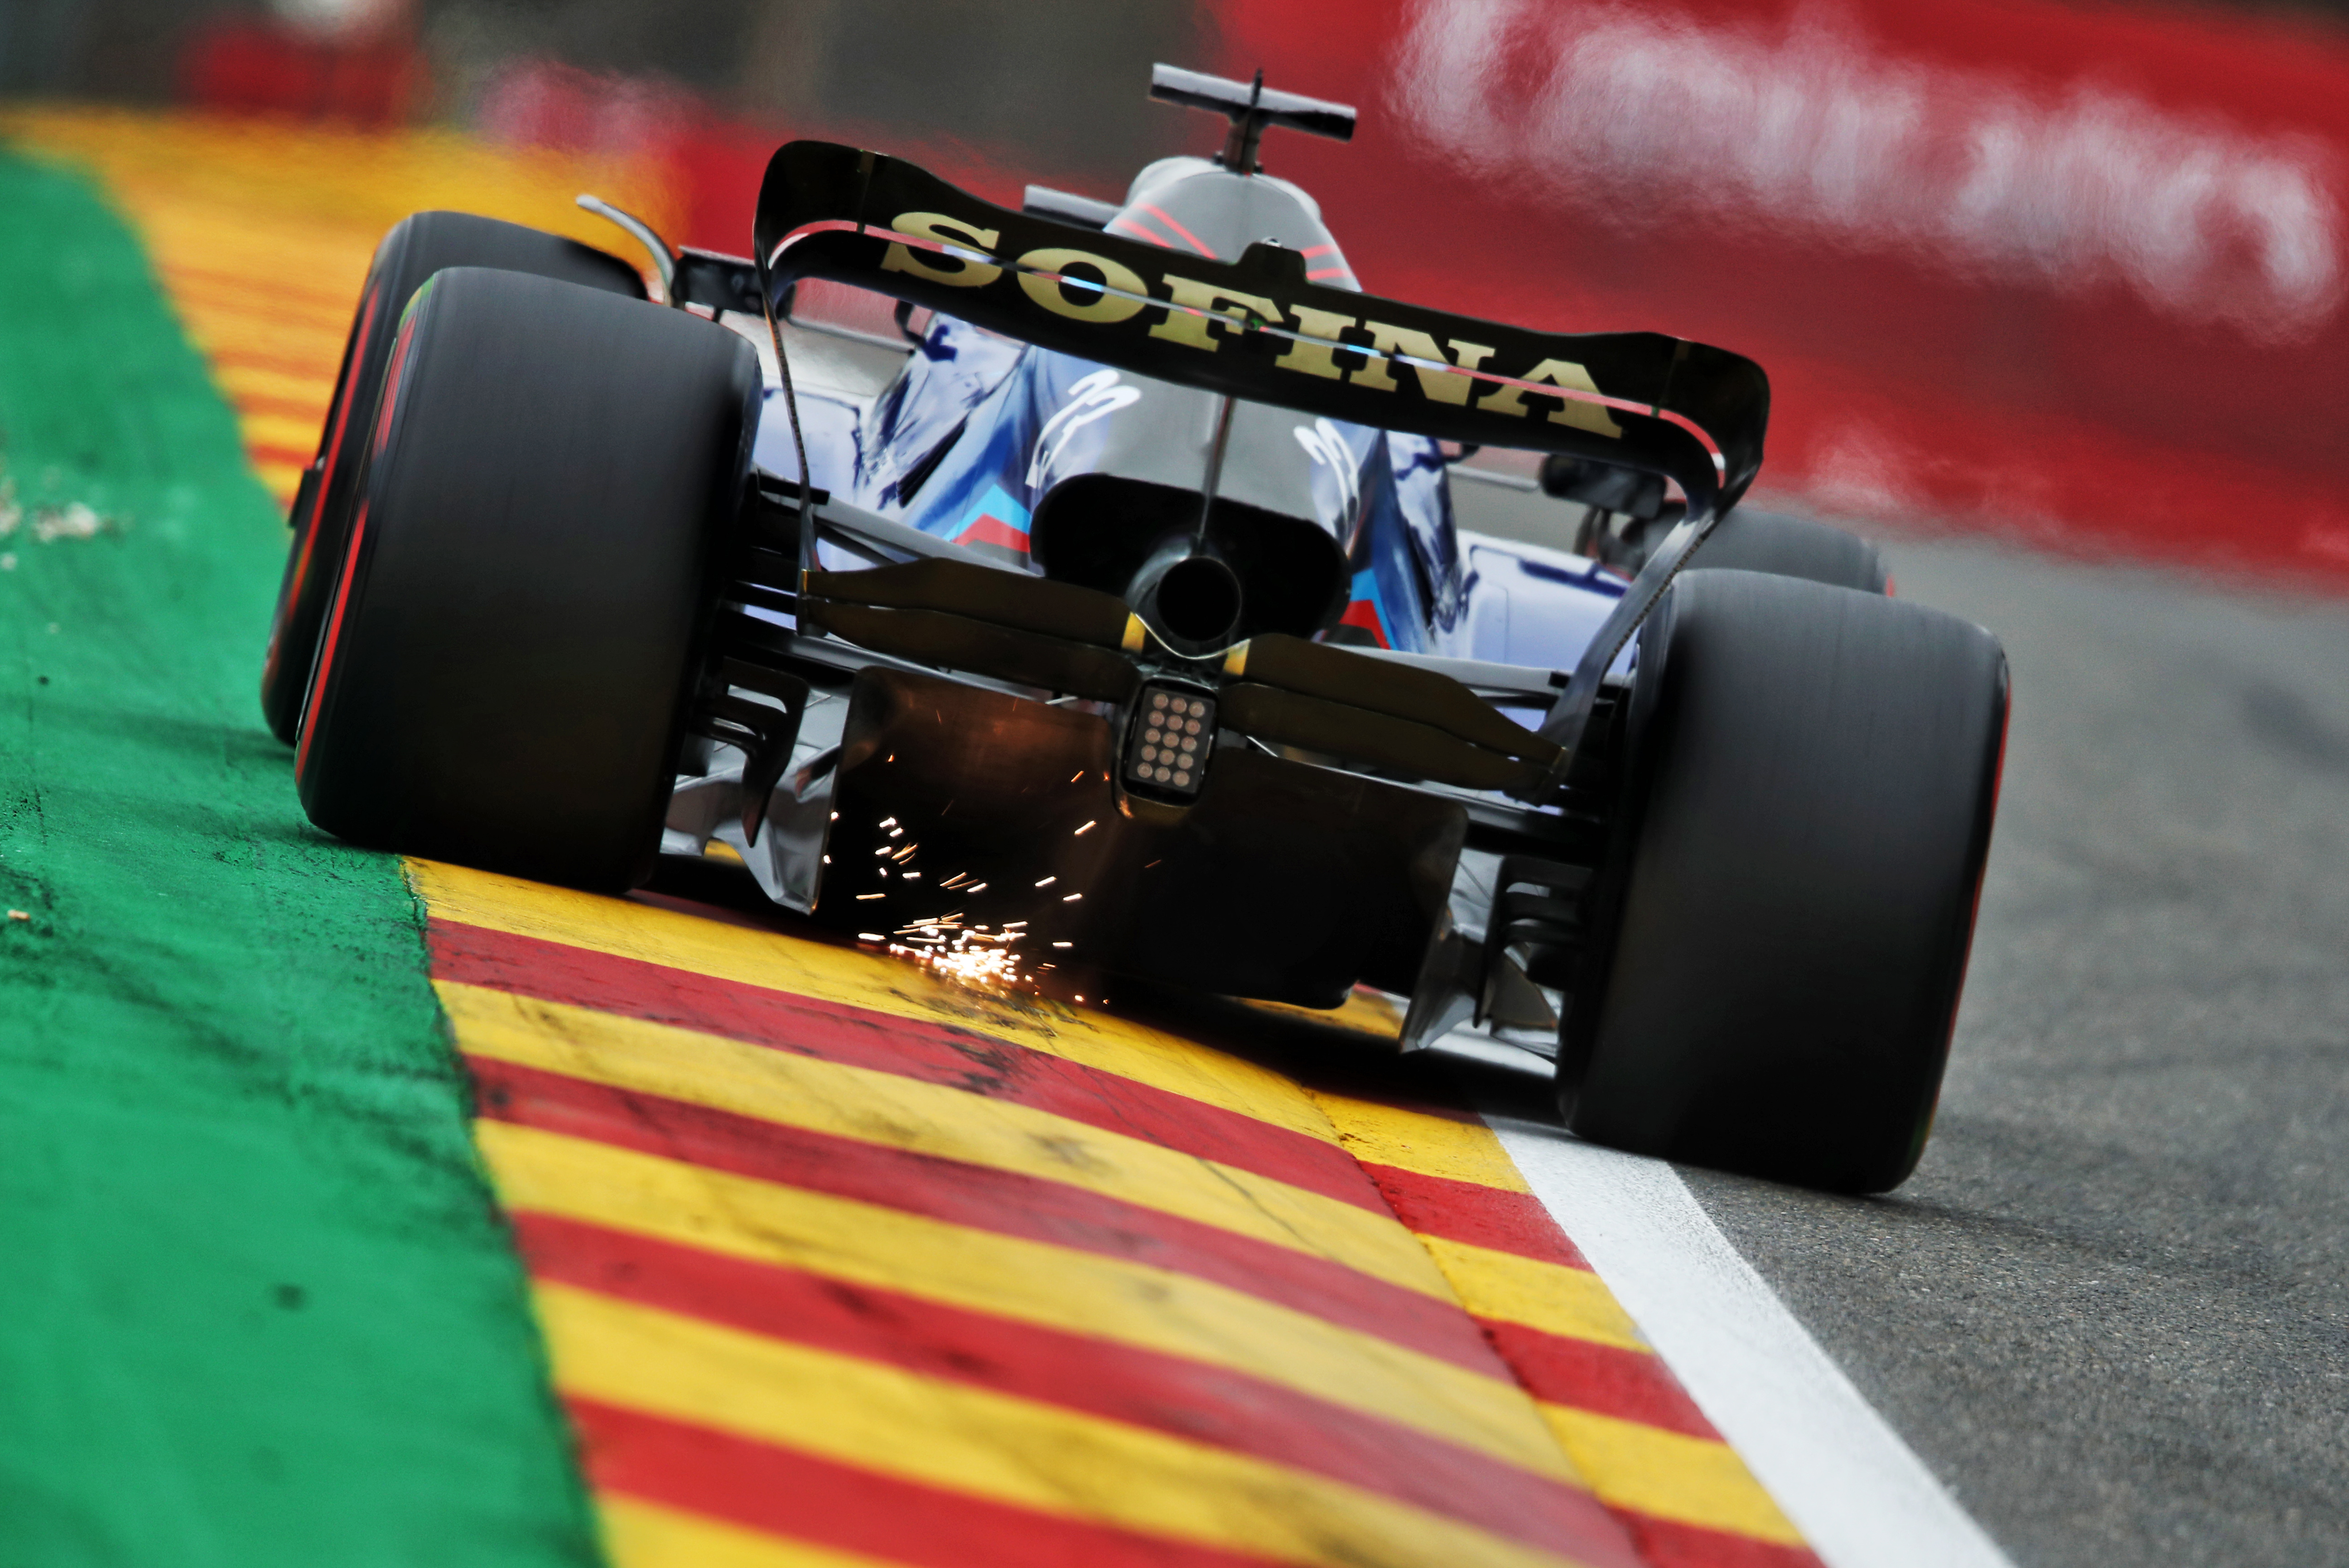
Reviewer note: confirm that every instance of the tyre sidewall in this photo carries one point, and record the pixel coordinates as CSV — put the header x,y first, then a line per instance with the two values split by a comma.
x,y
511,645
417,246
1790,895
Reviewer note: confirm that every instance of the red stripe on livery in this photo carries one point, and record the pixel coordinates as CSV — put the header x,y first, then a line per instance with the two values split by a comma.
x,y
1172,227
1364,614
1187,1399
1007,1204
931,1052
1138,232
992,530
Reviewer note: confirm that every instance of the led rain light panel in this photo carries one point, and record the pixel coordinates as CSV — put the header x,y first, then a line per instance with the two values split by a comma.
x,y
1167,744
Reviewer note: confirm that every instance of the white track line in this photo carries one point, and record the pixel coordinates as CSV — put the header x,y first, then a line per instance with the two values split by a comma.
x,y
1845,1478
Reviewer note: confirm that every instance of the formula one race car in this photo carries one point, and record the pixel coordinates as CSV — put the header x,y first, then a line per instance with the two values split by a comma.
x,y
1077,588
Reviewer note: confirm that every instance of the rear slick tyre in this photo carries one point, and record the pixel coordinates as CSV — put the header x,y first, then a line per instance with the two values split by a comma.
x,y
516,624
1784,547
417,246
1810,775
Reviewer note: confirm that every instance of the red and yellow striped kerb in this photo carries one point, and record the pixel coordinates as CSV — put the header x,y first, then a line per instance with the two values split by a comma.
x,y
838,1262
840,1265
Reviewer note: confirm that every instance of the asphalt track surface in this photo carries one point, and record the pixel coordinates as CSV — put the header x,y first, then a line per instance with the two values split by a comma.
x,y
2111,1310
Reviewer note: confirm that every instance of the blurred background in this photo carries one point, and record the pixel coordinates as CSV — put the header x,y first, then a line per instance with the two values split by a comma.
x,y
2068,271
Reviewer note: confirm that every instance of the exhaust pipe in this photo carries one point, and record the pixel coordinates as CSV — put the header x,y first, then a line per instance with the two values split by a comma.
x,y
1191,601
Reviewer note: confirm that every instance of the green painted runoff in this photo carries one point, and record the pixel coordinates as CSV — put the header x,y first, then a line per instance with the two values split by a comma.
x,y
256,1307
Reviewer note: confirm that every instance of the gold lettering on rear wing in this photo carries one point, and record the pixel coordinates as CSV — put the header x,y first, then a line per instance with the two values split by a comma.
x,y
1083,286
1261,328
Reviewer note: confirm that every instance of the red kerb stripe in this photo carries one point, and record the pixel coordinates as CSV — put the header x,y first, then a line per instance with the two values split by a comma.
x,y
785,1492
1669,1543
1605,1379
912,1048
1187,1399
271,451
1469,1211
1006,1203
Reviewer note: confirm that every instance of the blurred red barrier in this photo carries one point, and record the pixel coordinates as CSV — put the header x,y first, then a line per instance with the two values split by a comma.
x,y
712,164
246,67
2077,273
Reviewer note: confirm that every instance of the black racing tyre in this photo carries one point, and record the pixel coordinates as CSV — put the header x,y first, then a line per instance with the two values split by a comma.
x,y
417,246
516,620
1808,781
1786,546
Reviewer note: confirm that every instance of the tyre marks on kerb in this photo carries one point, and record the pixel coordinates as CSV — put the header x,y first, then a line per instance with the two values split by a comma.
x,y
1845,1477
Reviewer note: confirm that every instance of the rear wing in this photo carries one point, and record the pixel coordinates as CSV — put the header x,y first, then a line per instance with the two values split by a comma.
x,y
1258,330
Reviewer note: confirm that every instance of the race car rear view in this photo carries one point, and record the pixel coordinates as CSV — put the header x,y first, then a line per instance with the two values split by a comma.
x,y
1093,603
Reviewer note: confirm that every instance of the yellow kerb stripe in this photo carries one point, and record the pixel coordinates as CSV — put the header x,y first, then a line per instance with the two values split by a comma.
x,y
281,479
1631,1465
229,298
898,1112
278,431
638,1534
994,1446
1694,1481
324,189
1364,1012
1032,1282
848,978
1413,1141
240,381
308,352
1574,1302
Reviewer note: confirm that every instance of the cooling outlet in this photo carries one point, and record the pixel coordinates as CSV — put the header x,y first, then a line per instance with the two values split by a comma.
x,y
1247,571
